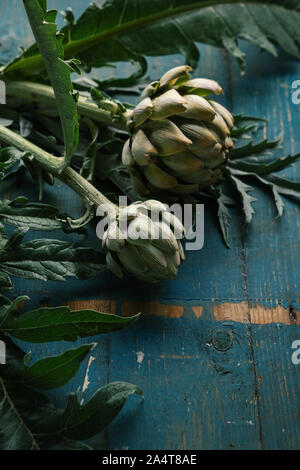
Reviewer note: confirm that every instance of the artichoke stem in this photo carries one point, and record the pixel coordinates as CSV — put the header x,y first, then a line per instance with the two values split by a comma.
x,y
53,165
44,94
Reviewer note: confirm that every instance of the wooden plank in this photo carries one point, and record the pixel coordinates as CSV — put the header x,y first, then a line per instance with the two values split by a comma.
x,y
213,350
272,254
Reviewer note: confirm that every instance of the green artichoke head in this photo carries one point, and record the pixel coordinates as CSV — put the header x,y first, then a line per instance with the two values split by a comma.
x,y
179,139
143,239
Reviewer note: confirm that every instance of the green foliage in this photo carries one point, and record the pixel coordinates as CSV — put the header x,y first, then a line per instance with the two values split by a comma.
x,y
107,33
47,259
36,216
56,371
50,46
242,165
127,31
29,421
57,323
10,157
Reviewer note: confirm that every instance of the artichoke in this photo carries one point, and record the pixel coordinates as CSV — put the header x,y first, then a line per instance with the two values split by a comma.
x,y
179,140
143,239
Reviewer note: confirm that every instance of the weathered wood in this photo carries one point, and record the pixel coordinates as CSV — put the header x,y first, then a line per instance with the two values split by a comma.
x,y
213,349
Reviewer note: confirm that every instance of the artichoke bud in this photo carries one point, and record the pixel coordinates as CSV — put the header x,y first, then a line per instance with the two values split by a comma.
x,y
167,137
115,239
180,140
202,87
145,246
167,240
142,111
142,148
228,144
203,177
182,189
198,108
156,207
228,118
173,75
131,260
183,162
127,158
140,231
155,259
150,90
180,250
127,213
174,223
176,259
219,126
159,178
136,179
172,268
170,102
200,135
113,265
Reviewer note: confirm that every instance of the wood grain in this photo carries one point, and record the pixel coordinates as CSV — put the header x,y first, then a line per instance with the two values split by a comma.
x,y
212,351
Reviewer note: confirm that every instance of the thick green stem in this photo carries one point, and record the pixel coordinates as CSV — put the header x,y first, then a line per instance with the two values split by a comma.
x,y
46,160
50,163
29,92
85,189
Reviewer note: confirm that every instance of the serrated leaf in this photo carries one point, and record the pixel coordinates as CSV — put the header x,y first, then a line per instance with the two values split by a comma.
x,y
115,30
55,371
251,149
7,307
282,186
36,216
246,199
277,185
49,259
224,216
265,168
240,118
14,240
10,157
285,183
50,46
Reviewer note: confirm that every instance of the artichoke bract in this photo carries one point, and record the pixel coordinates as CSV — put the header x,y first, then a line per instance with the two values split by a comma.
x,y
143,239
179,139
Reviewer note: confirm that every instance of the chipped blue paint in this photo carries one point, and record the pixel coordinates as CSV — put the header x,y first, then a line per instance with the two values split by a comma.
x,y
200,394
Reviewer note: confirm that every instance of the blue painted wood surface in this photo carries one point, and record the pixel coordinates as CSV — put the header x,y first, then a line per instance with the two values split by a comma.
x,y
212,351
